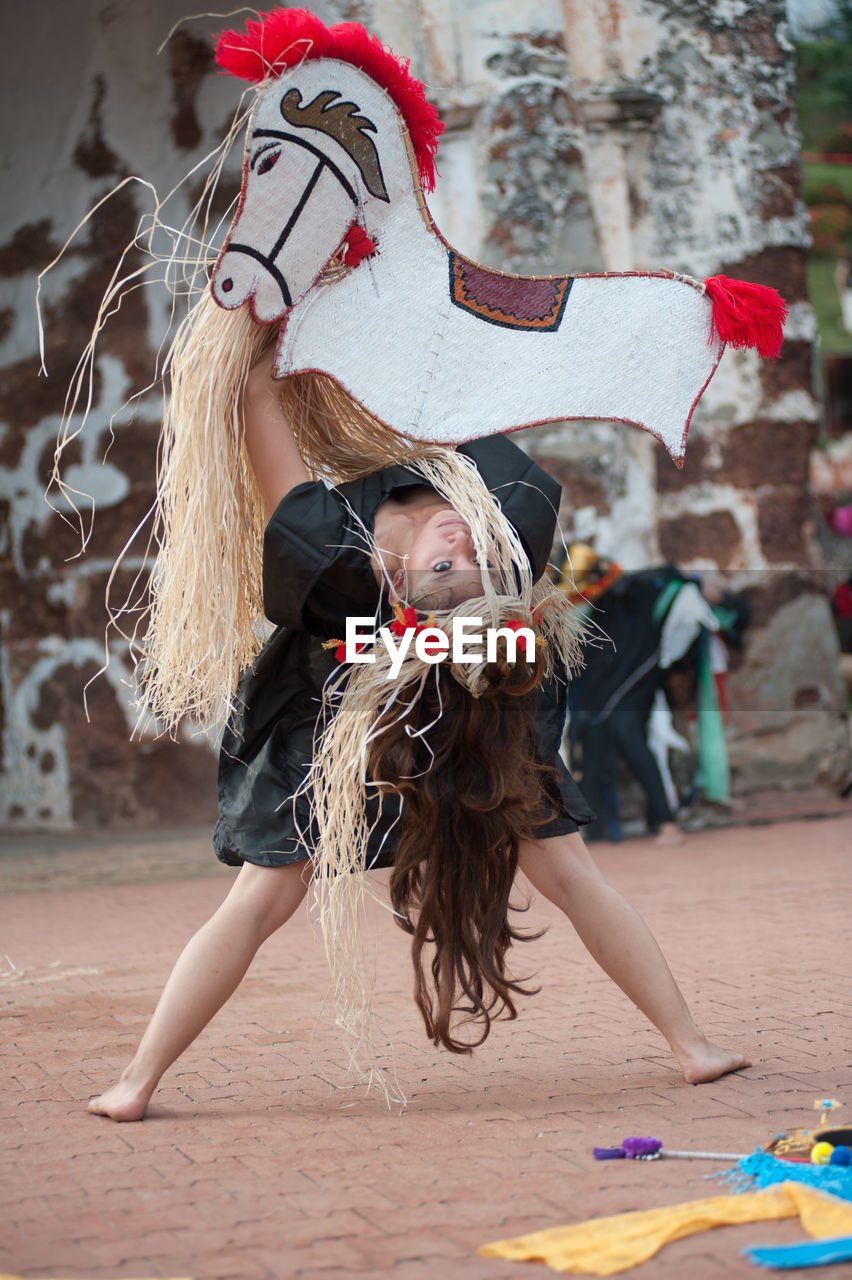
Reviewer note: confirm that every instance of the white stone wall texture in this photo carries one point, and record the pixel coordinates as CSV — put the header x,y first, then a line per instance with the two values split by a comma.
x,y
581,134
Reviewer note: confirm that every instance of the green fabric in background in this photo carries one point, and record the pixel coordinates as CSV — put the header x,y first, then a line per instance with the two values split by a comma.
x,y
714,776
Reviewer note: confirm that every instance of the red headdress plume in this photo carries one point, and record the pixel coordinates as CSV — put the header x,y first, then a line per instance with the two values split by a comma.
x,y
285,37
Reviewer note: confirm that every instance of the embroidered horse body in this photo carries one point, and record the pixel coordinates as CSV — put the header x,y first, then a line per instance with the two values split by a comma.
x,y
435,346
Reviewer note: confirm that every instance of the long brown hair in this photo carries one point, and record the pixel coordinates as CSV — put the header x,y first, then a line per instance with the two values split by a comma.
x,y
472,790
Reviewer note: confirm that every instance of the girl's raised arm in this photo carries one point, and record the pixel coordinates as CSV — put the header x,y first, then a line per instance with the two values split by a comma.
x,y
269,438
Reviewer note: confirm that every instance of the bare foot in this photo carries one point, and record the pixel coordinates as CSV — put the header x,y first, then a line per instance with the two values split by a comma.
x,y
669,836
710,1061
123,1101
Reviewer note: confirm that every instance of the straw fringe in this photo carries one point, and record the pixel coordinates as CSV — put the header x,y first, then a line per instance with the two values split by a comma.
x,y
206,615
182,265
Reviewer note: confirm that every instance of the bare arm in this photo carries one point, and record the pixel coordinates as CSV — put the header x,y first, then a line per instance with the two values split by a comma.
x,y
275,459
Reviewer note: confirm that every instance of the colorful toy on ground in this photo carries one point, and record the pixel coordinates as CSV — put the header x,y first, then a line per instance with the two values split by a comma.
x,y
823,1145
766,1185
653,1149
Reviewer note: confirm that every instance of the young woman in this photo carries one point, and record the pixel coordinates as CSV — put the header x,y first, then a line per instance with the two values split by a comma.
x,y
449,774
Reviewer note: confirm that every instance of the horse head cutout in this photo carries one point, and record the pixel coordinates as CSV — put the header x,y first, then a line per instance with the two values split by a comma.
x,y
330,136
340,146
325,147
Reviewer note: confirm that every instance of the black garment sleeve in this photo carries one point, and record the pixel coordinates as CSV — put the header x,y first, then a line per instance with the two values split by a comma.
x,y
528,495
299,544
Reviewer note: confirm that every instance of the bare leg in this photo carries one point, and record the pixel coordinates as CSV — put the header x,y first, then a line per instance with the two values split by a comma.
x,y
617,937
207,972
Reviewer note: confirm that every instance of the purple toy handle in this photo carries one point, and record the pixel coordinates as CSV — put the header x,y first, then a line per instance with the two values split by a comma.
x,y
630,1149
636,1148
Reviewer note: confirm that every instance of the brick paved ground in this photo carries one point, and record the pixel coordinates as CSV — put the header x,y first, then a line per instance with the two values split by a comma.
x,y
258,1161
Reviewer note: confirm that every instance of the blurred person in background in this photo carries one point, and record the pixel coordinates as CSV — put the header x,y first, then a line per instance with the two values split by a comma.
x,y
644,623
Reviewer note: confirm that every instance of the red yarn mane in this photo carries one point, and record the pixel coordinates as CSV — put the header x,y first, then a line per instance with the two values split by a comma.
x,y
285,37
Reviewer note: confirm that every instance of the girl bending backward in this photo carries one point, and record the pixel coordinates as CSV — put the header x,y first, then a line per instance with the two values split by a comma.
x,y
448,773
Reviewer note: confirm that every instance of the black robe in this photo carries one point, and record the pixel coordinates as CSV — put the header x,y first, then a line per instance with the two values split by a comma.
x,y
316,573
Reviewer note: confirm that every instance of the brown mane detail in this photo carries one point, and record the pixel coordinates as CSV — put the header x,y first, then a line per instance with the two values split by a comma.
x,y
342,122
513,302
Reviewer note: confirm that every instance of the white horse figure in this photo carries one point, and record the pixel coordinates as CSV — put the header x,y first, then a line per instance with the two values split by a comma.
x,y
435,346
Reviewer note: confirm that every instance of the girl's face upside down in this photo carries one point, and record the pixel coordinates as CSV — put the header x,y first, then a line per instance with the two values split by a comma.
x,y
440,563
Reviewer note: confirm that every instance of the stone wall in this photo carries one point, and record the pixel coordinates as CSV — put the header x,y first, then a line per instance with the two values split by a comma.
x,y
581,135
93,105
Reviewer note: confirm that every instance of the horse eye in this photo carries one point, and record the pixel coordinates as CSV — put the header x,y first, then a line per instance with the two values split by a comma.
x,y
443,566
268,161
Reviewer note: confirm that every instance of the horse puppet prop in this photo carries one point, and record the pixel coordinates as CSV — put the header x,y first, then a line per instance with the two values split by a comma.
x,y
333,241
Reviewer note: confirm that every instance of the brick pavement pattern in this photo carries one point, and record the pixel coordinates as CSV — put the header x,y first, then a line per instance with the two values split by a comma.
x,y
259,1161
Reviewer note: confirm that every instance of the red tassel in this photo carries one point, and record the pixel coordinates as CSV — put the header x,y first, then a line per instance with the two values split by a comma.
x,y
358,245
747,315
285,37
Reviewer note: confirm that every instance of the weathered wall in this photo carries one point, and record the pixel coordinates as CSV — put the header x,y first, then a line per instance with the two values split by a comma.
x,y
93,105
581,134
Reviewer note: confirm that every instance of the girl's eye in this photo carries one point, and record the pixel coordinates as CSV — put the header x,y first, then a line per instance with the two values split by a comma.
x,y
267,161
442,566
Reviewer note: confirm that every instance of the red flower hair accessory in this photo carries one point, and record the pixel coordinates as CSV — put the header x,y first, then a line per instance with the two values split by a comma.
x,y
523,641
514,624
405,620
340,649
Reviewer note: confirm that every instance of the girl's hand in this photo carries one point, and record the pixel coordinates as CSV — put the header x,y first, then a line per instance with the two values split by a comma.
x,y
261,381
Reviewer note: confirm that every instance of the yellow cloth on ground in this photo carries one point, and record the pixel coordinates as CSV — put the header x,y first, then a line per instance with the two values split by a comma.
x,y
603,1246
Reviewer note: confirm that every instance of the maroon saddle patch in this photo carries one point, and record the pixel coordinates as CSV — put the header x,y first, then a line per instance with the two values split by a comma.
x,y
514,302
